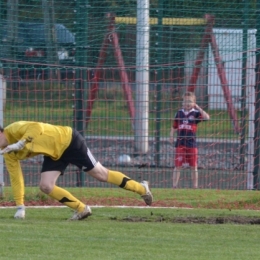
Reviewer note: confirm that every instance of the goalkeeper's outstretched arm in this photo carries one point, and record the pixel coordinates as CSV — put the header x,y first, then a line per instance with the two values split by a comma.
x,y
13,147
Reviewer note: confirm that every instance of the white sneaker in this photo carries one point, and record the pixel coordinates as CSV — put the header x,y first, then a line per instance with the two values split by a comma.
x,y
20,213
81,215
148,197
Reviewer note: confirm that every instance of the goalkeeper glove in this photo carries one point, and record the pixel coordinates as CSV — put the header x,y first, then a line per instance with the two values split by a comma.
x,y
14,147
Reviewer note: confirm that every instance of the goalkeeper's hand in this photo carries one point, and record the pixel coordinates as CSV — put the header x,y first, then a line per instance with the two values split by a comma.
x,y
13,147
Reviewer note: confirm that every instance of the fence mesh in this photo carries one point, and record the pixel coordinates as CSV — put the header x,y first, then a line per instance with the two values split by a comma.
x,y
83,64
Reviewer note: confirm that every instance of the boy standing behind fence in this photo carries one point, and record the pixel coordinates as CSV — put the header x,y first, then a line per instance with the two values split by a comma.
x,y
185,123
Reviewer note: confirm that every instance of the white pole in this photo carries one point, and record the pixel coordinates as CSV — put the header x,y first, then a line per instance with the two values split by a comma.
x,y
2,104
250,78
142,77
251,130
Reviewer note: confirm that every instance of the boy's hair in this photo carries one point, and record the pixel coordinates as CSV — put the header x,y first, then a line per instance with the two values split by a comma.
x,y
1,129
189,94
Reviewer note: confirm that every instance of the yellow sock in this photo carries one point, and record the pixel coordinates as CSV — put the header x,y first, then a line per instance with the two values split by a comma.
x,y
67,199
125,182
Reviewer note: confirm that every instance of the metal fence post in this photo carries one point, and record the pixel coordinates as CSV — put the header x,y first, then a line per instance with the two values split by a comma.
x,y
257,103
81,71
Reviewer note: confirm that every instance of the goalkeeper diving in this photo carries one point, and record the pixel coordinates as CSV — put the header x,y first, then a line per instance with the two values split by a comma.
x,y
60,146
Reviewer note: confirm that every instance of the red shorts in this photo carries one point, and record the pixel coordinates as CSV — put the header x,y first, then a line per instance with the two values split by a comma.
x,y
186,156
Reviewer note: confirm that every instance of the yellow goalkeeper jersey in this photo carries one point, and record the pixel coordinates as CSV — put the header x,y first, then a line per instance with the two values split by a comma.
x,y
45,139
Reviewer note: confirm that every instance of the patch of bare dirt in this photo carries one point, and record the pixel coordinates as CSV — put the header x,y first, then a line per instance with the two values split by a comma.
x,y
197,220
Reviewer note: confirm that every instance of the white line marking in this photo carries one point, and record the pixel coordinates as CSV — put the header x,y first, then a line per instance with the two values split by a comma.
x,y
96,206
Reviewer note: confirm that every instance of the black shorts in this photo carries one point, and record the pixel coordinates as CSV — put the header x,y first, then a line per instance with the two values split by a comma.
x,y
77,154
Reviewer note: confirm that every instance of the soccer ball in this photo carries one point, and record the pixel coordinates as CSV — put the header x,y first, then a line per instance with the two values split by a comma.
x,y
124,159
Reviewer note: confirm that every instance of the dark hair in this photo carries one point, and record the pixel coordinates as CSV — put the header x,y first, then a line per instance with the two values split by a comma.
x,y
1,129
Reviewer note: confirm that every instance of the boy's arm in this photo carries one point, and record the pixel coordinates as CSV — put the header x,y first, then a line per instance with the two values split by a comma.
x,y
172,135
174,126
204,114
